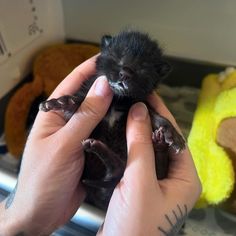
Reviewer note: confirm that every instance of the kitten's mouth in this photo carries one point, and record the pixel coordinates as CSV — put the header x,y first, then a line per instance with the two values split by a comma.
x,y
120,87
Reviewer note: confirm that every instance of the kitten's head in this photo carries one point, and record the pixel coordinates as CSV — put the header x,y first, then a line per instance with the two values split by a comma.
x,y
133,64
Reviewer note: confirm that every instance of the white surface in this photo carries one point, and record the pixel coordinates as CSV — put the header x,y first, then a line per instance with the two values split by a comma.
x,y
7,180
202,29
25,27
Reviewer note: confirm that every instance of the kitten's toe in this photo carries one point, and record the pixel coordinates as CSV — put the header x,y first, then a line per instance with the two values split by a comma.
x,y
65,103
48,105
178,143
89,144
168,136
158,138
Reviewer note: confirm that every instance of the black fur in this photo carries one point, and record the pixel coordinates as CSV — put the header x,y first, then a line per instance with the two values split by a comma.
x,y
140,60
134,66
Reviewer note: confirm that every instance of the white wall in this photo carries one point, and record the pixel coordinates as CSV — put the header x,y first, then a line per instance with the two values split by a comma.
x,y
25,28
197,29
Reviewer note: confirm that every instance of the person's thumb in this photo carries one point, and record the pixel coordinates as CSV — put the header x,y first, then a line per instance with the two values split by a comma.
x,y
141,158
91,111
138,186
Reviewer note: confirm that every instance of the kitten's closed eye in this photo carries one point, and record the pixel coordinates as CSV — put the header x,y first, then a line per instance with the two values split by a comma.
x,y
125,73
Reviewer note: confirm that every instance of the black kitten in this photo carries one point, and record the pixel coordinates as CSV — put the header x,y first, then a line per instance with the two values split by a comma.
x,y
134,66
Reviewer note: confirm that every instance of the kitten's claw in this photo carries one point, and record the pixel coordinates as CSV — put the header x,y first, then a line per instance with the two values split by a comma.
x,y
168,136
89,145
112,162
48,105
65,103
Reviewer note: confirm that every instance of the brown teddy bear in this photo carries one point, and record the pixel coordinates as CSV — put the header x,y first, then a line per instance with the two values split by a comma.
x,y
49,68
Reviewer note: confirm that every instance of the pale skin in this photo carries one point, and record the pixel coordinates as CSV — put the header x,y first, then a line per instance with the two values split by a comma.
x,y
49,191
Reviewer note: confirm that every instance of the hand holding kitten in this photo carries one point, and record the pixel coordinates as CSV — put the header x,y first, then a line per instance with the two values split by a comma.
x,y
141,204
49,191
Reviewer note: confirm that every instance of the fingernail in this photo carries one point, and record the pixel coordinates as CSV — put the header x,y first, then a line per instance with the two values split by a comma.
x,y
139,111
102,87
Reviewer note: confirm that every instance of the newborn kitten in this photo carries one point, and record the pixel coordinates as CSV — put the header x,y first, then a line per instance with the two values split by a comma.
x,y
134,66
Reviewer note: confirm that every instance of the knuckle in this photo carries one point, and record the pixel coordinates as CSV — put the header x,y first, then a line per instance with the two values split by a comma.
x,y
142,138
91,111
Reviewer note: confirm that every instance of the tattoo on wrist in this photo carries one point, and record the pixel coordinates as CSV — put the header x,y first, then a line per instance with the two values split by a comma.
x,y
10,197
179,217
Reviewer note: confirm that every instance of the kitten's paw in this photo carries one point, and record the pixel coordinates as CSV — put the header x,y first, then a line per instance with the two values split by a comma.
x,y
168,136
89,145
48,105
65,103
114,165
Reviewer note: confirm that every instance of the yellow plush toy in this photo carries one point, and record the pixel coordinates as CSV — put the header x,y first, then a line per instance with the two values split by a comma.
x,y
217,102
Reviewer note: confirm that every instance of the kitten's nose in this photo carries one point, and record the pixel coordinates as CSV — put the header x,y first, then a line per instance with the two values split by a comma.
x,y
124,75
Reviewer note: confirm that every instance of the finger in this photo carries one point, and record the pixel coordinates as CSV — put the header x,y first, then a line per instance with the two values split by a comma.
x,y
181,167
141,159
91,111
70,85
158,105
182,175
73,81
75,202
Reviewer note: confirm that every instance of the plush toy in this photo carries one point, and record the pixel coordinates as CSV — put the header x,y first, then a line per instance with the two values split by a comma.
x,y
216,105
50,67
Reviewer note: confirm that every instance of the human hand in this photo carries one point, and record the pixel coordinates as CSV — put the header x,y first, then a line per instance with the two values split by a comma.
x,y
141,204
49,192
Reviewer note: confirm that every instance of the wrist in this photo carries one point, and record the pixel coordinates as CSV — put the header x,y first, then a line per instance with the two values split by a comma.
x,y
12,224
9,225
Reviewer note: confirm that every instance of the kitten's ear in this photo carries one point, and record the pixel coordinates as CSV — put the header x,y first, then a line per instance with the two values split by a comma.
x,y
106,41
163,69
